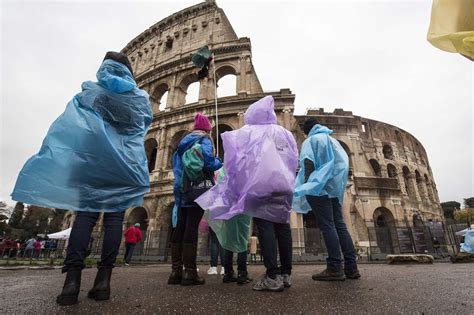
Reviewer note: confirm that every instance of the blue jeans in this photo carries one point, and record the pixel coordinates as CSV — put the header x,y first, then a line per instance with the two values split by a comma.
x,y
216,249
228,260
274,238
81,234
328,214
129,252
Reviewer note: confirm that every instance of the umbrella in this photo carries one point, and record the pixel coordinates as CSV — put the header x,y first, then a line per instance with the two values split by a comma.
x,y
452,26
62,235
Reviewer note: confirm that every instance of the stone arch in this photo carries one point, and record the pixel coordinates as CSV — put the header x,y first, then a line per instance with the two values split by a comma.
x,y
159,97
151,149
376,167
227,79
384,223
173,144
349,155
407,178
182,88
222,128
429,188
391,170
138,215
387,152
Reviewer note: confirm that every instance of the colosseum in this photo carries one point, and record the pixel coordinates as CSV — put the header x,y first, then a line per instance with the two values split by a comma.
x,y
390,181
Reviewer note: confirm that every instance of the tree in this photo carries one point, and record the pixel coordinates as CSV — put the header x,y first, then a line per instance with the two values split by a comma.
x,y
464,215
37,220
469,202
5,212
449,207
17,215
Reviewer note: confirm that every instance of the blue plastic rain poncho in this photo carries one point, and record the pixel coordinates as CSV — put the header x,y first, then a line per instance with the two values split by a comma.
x,y
260,167
468,245
331,167
211,163
93,157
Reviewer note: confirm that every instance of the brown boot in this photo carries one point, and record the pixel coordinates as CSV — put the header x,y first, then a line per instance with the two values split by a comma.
x,y
190,276
176,263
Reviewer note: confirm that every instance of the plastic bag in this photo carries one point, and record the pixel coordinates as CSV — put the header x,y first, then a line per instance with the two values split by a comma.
x,y
93,157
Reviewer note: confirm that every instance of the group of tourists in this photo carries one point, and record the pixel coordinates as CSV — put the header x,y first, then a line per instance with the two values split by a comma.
x,y
93,161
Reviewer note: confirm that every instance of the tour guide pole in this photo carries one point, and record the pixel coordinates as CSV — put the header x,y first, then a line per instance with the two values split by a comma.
x,y
215,102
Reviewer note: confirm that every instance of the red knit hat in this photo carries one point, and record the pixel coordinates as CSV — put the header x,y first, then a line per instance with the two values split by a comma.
x,y
201,122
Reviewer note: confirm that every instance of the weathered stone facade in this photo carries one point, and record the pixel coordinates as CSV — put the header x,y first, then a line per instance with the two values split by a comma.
x,y
390,178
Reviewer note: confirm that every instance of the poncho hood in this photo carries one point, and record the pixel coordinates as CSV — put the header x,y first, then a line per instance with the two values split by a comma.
x,y
115,77
319,129
262,112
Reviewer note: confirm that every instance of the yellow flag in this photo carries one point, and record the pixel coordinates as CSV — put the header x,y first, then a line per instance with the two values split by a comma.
x,y
452,26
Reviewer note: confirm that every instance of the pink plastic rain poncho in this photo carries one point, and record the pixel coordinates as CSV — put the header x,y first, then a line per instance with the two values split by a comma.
x,y
260,162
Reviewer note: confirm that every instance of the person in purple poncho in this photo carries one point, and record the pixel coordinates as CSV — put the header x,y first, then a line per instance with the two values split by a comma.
x,y
260,167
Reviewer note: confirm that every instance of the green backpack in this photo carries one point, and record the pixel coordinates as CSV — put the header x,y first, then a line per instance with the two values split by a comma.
x,y
193,163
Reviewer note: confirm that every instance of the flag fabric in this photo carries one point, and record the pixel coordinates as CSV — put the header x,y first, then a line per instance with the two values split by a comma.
x,y
201,59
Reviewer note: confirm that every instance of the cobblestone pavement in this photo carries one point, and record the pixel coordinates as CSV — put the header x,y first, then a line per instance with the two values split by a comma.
x,y
383,289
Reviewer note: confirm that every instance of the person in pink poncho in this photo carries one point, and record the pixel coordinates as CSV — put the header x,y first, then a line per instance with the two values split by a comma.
x,y
260,169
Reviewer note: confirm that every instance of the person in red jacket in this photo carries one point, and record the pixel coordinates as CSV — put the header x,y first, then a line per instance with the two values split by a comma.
x,y
133,235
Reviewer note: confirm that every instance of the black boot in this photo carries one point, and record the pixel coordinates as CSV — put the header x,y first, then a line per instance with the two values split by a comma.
x,y
176,263
101,289
190,275
71,287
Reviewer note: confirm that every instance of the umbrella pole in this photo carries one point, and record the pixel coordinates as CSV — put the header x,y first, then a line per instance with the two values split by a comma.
x,y
215,102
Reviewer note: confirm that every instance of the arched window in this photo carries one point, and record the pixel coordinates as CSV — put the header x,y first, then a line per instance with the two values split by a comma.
x,y
349,155
159,97
173,145
376,167
192,93
406,177
391,170
151,149
226,81
222,128
387,152
384,228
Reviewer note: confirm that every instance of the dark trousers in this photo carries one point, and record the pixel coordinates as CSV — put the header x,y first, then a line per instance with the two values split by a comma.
x,y
186,230
129,252
216,249
81,234
328,214
228,260
275,237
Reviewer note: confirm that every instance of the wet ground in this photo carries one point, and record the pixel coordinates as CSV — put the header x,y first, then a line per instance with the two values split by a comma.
x,y
383,289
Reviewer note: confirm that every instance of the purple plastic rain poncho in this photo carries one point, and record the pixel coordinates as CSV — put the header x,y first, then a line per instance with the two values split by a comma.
x,y
260,168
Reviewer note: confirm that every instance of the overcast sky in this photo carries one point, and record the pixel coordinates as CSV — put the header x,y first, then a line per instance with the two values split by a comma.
x,y
370,57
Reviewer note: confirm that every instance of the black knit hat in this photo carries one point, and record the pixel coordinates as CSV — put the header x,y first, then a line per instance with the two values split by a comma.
x,y
309,124
119,57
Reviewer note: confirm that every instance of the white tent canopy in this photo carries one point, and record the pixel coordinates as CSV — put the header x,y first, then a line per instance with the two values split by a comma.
x,y
62,235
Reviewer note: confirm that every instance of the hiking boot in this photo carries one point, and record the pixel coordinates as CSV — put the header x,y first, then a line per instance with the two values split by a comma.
x,y
190,275
243,278
286,280
176,264
229,277
352,273
71,287
269,284
101,289
329,275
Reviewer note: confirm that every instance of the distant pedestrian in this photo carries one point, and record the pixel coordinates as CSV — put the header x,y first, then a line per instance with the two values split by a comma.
x,y
38,246
29,247
320,187
253,248
133,235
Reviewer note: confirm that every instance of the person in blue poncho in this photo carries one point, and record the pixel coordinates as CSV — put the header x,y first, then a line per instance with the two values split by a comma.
x,y
185,235
320,188
93,160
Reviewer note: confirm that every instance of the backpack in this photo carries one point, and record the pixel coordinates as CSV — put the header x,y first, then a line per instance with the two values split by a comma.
x,y
193,162
194,181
